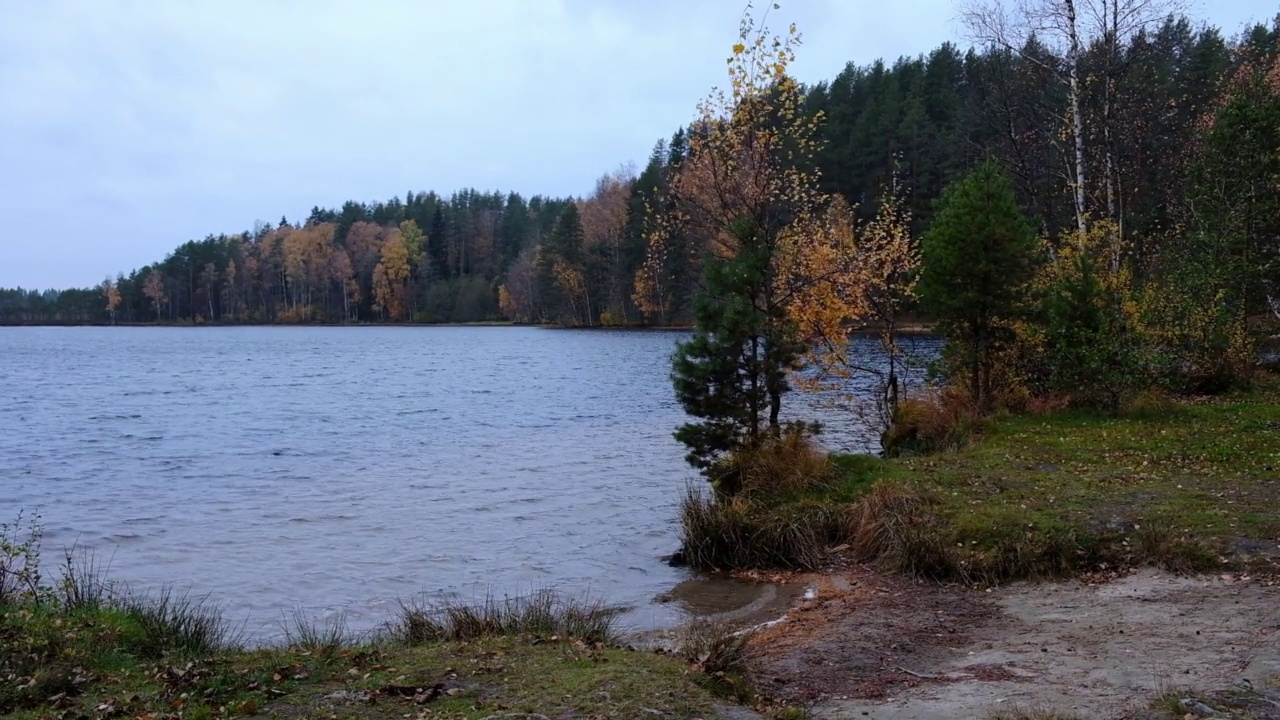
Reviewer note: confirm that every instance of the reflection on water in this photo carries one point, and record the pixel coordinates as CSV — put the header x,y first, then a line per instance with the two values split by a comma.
x,y
343,468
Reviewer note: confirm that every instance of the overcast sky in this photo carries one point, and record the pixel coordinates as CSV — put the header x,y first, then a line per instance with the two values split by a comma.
x,y
127,128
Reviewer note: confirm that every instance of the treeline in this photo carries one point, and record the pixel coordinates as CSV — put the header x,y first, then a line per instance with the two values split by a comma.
x,y
1143,101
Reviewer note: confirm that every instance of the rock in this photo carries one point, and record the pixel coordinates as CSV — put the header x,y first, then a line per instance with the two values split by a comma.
x,y
734,712
1197,708
1263,669
349,696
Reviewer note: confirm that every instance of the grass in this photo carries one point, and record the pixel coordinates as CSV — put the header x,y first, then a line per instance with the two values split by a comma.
x,y
102,662
542,614
321,639
82,648
790,509
1188,485
1239,703
175,623
1186,488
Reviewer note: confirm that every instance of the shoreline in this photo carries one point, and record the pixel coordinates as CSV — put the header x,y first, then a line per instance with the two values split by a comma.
x,y
912,329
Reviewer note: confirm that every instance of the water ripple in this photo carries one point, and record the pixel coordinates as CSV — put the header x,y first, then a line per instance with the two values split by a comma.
x,y
334,468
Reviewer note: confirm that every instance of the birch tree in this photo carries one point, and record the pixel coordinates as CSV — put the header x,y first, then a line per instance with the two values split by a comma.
x,y
1069,28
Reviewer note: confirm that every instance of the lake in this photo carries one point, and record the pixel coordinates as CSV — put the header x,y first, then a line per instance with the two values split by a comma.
x,y
335,470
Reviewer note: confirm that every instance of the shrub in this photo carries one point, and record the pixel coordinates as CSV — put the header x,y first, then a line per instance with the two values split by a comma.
x,y
1087,343
1200,340
1152,403
20,559
895,527
714,646
944,420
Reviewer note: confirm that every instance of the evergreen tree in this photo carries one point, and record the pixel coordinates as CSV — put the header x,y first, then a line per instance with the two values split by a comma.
x,y
733,372
976,262
562,272
438,245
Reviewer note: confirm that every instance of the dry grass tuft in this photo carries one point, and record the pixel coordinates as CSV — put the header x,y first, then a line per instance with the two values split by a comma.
x,y
542,613
722,533
943,420
714,647
788,465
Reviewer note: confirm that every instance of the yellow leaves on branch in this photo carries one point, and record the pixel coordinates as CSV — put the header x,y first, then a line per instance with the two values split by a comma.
x,y
571,282
153,288
843,276
750,153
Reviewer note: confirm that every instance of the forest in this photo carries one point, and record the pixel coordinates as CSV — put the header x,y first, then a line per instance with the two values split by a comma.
x,y
1153,127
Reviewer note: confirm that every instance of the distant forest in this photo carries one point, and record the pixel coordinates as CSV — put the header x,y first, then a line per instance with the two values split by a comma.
x,y
926,121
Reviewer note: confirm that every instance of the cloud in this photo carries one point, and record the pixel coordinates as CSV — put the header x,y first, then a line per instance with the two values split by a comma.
x,y
128,127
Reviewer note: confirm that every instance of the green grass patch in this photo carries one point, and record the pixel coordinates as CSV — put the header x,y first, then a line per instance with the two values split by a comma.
x,y
1188,485
100,663
1188,488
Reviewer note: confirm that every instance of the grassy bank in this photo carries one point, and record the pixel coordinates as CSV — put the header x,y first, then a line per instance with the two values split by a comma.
x,y
1187,484
1190,484
169,657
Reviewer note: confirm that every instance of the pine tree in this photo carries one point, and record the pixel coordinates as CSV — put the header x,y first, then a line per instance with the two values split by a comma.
x,y
733,372
976,263
562,272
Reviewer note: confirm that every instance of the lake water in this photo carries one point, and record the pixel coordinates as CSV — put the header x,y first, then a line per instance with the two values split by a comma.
x,y
340,469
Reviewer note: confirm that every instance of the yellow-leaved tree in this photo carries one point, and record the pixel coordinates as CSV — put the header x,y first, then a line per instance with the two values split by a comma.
x,y
850,276
781,275
111,293
153,288
391,277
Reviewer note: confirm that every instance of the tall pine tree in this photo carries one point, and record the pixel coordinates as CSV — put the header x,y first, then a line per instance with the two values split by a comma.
x,y
977,261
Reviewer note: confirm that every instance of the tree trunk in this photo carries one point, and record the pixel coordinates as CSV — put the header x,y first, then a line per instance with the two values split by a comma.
x,y
975,365
1077,117
754,405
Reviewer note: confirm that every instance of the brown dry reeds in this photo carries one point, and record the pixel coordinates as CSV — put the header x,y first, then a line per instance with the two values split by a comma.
x,y
940,421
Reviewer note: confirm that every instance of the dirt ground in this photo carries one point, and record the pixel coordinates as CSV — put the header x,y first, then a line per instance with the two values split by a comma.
x,y
871,646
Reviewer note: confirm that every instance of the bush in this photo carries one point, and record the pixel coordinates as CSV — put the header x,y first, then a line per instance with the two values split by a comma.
x,y
1087,344
944,420
20,559
895,527
1200,340
1153,404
